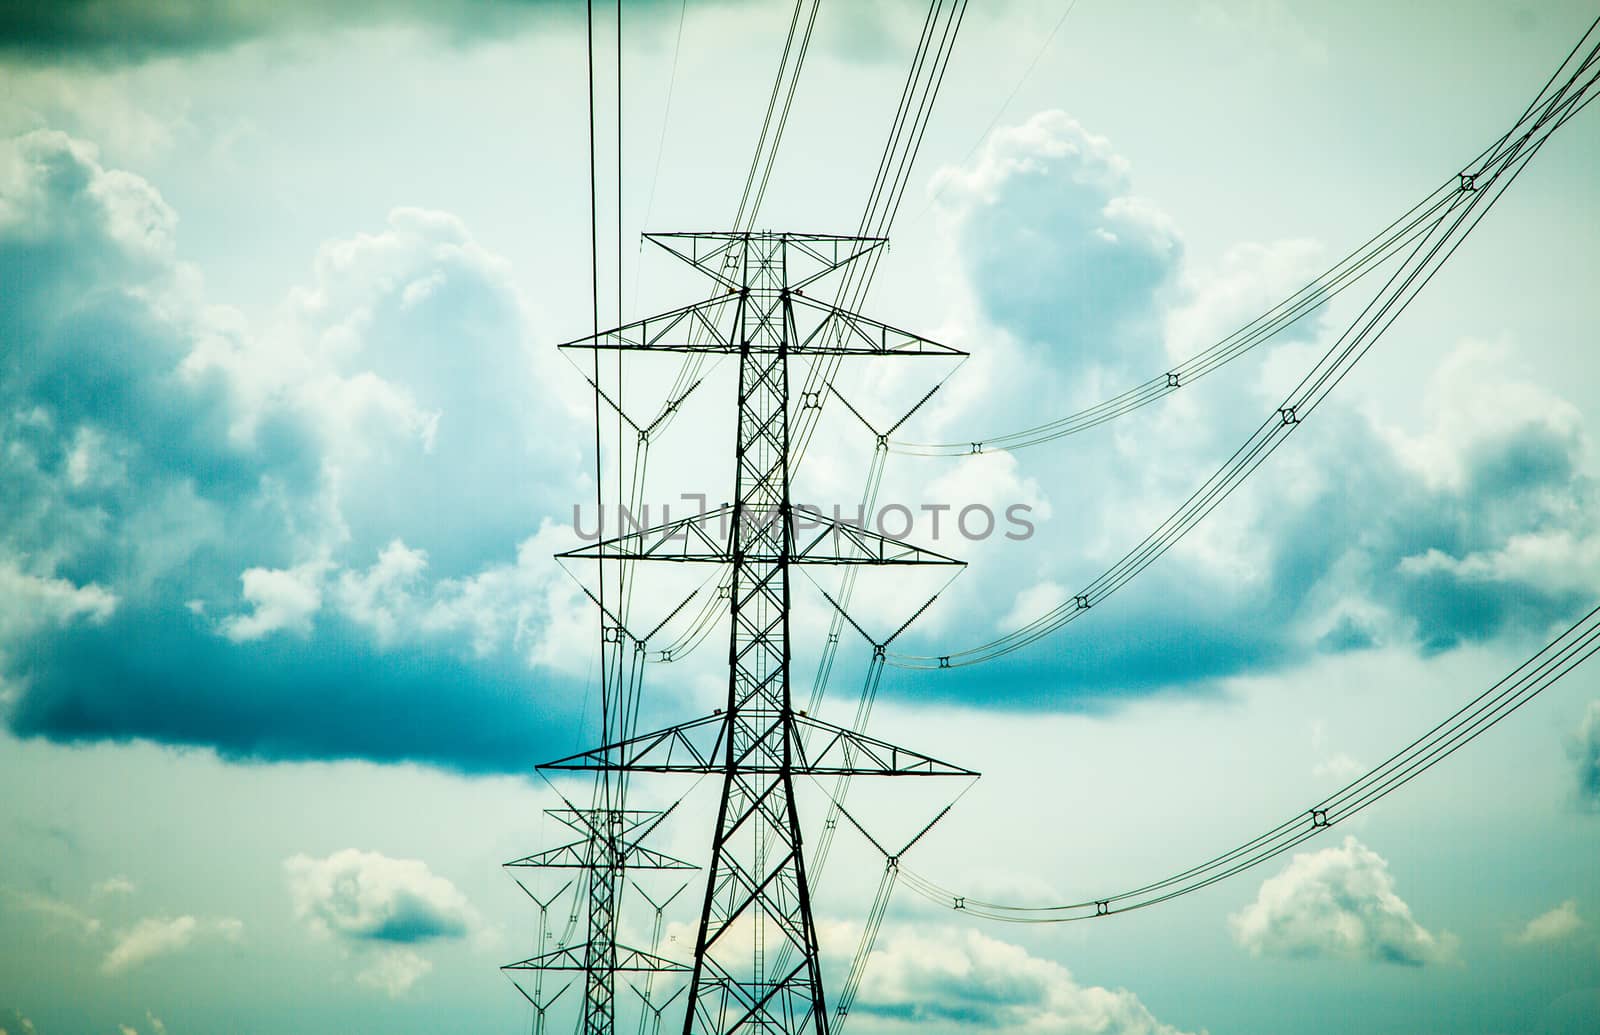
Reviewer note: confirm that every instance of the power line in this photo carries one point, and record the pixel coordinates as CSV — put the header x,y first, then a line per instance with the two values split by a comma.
x,y
1307,299
666,123
758,873
1000,112
1477,192
943,23
1541,671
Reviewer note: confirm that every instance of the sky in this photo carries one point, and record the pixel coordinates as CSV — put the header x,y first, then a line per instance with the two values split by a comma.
x,y
287,448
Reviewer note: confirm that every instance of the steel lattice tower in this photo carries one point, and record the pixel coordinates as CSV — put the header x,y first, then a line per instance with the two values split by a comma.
x,y
756,965
610,846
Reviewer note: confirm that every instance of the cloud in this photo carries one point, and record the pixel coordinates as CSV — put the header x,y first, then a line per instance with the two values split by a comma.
x,y
29,603
1056,247
1558,924
379,907
119,31
1476,520
394,971
279,538
1586,754
14,1023
367,897
62,914
1338,903
217,514
163,936
967,980
118,885
281,599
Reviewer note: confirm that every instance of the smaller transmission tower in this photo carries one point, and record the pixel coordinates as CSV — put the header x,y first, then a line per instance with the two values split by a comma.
x,y
609,847
756,965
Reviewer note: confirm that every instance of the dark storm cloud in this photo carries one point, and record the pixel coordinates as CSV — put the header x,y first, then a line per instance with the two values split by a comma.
x,y
124,31
187,547
170,679
1375,532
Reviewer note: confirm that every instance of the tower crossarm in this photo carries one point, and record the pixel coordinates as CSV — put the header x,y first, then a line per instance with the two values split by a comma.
x,y
571,957
704,539
818,329
745,321
577,856
808,257
592,822
699,747
689,747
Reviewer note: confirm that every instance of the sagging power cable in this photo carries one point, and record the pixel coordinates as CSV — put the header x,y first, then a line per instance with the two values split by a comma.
x,y
1541,671
1477,192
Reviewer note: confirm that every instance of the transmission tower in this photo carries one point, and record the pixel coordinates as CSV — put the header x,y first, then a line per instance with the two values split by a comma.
x,y
755,966
610,846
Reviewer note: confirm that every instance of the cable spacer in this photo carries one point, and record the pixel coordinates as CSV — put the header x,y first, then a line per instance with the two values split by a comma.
x,y
1172,379
1102,907
977,447
877,650
811,400
1082,601
833,637
961,902
944,661
1319,817
1288,415
883,443
666,654
611,634
1469,181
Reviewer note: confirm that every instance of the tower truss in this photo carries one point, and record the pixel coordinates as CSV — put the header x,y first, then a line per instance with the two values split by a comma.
x,y
755,966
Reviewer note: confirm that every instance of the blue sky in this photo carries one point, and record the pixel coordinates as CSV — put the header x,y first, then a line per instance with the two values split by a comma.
x,y
286,450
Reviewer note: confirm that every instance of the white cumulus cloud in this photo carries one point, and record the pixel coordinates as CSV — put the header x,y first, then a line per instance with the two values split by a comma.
x,y
282,599
958,979
29,602
369,897
1560,923
1337,903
